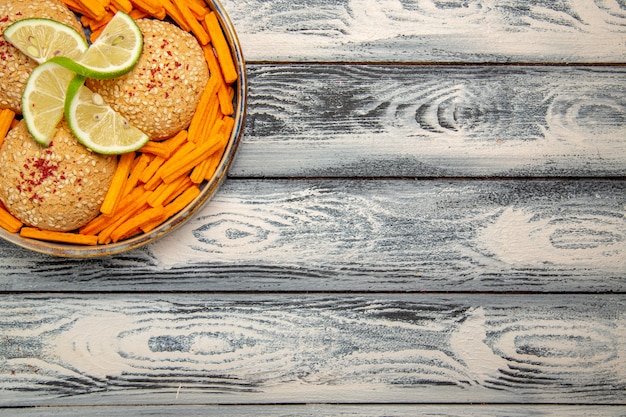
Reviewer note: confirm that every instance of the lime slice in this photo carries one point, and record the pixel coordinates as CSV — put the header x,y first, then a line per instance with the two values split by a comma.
x,y
43,100
42,39
114,53
96,125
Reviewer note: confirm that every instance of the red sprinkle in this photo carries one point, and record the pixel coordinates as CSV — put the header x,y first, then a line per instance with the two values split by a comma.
x,y
36,171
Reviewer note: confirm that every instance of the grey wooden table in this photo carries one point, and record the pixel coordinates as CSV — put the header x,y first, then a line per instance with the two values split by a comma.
x,y
426,216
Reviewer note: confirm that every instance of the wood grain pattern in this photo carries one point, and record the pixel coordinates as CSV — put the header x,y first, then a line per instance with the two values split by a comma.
x,y
222,349
377,235
427,216
431,121
431,31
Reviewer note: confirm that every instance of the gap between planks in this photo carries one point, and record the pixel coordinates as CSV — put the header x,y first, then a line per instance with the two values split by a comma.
x,y
436,63
234,177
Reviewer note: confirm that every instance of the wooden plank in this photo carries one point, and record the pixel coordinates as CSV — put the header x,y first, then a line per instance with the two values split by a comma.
x,y
433,121
326,410
243,349
434,31
367,235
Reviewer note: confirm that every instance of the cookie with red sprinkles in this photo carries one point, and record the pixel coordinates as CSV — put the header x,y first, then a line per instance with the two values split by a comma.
x,y
160,94
57,188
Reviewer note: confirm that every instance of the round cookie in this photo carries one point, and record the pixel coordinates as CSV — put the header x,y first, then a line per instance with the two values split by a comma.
x,y
15,67
159,96
56,188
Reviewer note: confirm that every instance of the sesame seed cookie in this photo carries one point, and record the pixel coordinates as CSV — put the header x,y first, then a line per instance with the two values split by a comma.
x,y
160,95
60,187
